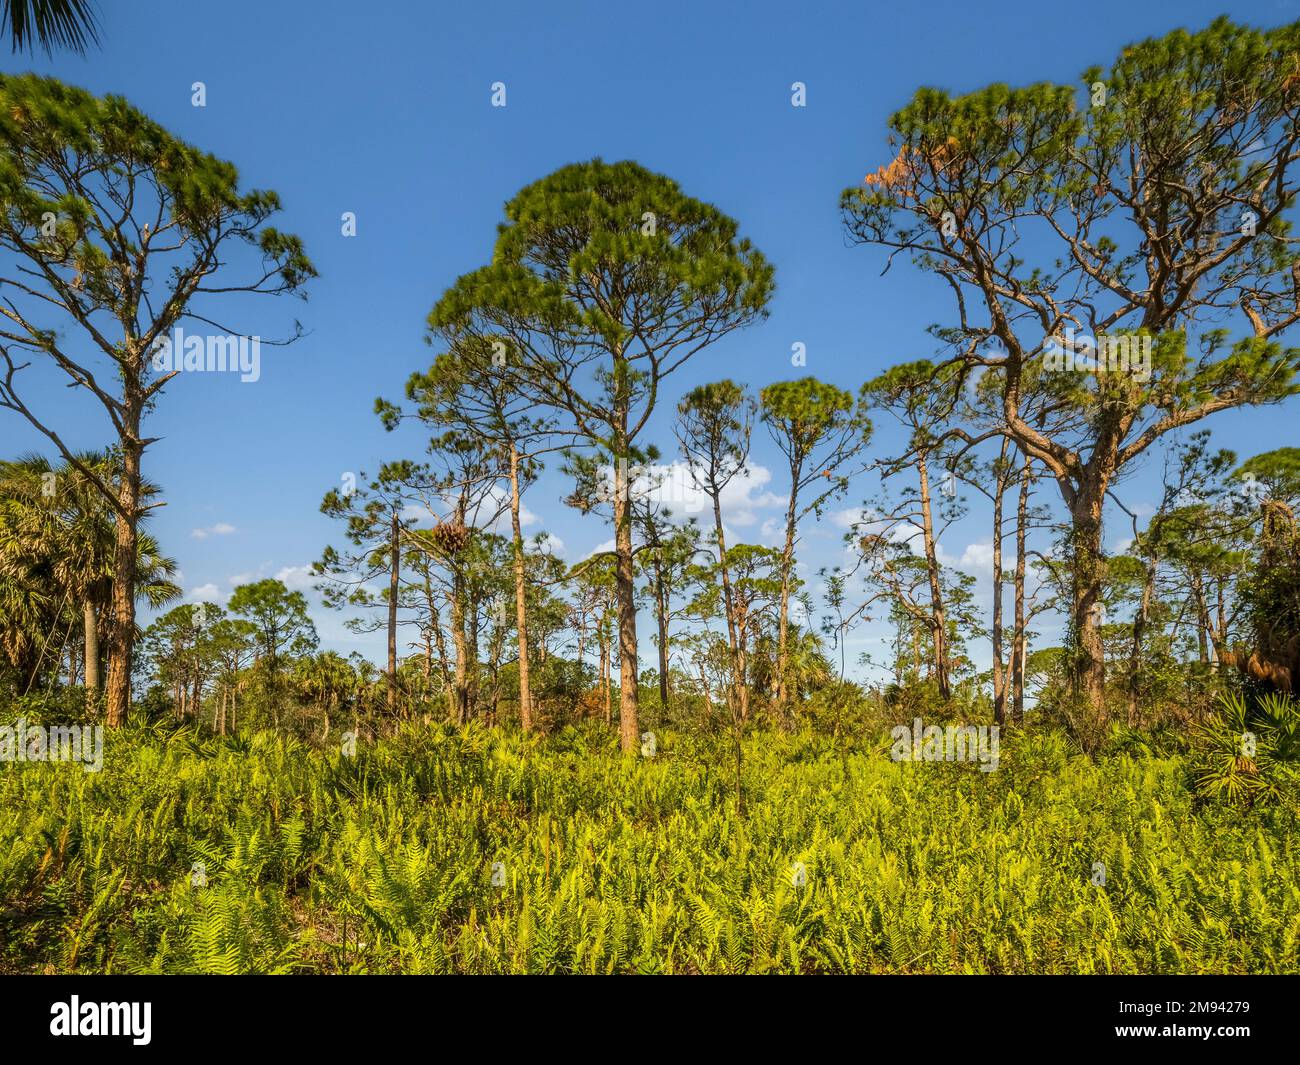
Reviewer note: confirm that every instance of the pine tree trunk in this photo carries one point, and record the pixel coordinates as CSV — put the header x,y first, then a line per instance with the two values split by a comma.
x,y
394,573
999,677
1020,637
91,624
661,618
938,618
440,643
607,674
473,614
1140,620
739,684
787,580
1090,663
460,645
521,599
121,633
1203,632
629,738
582,642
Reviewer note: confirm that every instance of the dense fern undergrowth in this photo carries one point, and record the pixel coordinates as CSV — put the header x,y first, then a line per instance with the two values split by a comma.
x,y
474,850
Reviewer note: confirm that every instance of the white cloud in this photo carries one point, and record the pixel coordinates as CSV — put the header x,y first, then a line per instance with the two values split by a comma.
x,y
249,578
673,487
209,593
850,516
746,493
297,578
220,529
977,558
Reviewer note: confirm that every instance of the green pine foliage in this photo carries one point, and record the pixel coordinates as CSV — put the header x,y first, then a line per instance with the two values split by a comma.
x,y
383,862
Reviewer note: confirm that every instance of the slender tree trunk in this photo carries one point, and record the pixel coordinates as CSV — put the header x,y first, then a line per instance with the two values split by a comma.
x,y
121,633
460,644
742,649
91,623
624,577
474,616
787,580
607,674
739,684
1140,620
521,599
440,643
1019,648
999,678
394,574
600,667
582,640
1203,627
661,619
1219,635
938,616
495,647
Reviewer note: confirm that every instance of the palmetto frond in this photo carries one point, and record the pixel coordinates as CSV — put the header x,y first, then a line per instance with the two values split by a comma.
x,y
50,24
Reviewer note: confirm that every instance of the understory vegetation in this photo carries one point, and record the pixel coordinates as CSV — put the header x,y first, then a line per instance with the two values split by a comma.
x,y
476,850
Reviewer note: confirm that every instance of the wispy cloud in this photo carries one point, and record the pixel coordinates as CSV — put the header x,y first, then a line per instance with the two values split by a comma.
x,y
220,529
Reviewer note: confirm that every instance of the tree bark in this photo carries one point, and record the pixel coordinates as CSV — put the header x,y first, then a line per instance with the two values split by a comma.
x,y
121,632
787,573
999,678
521,600
91,623
440,642
1089,653
1020,640
460,644
629,738
1139,632
607,673
394,573
661,619
938,617
1203,627
740,686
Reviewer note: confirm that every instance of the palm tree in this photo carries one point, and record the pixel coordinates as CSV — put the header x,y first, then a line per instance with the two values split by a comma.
x,y
27,606
57,539
49,23
326,679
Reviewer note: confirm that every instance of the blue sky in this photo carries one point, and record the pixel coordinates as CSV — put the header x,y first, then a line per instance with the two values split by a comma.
x,y
384,110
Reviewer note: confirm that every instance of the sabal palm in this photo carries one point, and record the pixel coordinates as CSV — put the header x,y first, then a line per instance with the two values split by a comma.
x,y
49,24
56,553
